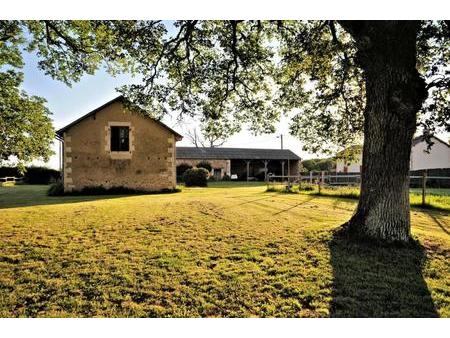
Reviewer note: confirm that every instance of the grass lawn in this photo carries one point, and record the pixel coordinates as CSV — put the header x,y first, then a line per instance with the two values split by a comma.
x,y
228,250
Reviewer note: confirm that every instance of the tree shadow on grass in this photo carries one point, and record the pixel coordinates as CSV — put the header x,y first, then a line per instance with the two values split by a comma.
x,y
439,222
28,195
373,281
307,200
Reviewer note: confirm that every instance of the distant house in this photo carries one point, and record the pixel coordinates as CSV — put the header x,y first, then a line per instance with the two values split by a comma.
x,y
349,160
438,157
115,146
243,163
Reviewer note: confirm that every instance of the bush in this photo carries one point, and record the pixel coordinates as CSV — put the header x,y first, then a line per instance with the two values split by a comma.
x,y
226,177
196,177
101,190
181,168
56,189
9,172
41,175
205,164
32,175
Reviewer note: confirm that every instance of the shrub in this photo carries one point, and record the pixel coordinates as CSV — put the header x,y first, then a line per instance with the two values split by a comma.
x,y
32,175
226,177
181,168
56,189
205,164
101,190
196,177
9,172
41,175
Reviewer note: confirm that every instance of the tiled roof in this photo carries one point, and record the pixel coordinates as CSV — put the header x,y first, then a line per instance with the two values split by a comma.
x,y
235,154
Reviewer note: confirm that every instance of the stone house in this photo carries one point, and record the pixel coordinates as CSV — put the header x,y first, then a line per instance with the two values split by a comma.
x,y
118,146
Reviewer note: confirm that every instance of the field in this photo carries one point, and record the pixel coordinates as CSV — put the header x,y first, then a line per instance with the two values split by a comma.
x,y
228,250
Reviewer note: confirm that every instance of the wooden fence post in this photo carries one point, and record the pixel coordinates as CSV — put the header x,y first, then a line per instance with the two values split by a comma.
x,y
424,186
320,182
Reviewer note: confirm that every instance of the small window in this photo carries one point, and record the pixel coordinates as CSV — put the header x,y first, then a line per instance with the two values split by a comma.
x,y
120,140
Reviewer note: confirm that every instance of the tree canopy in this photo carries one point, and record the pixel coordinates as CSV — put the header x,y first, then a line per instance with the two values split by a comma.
x,y
255,71
319,164
245,71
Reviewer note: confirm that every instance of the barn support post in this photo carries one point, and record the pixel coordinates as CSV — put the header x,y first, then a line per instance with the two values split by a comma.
x,y
289,174
248,169
282,171
265,169
424,186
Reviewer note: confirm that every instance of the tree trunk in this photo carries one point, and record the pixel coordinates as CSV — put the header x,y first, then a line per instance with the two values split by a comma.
x,y
386,52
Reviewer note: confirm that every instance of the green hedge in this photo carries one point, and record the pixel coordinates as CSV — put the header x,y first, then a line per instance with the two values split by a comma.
x,y
57,189
181,168
32,175
204,164
196,177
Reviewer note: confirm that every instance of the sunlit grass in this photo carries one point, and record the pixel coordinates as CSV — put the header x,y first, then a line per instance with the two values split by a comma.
x,y
229,250
435,198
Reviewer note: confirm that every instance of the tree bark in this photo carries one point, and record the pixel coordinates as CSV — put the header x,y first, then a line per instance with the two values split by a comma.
x,y
386,52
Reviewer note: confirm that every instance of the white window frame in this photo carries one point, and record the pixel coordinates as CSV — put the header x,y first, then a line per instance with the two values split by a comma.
x,y
119,155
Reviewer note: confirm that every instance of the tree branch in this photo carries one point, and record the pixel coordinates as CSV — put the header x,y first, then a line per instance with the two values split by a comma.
x,y
71,43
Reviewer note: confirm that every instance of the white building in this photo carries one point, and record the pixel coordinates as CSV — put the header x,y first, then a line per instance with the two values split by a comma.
x,y
438,157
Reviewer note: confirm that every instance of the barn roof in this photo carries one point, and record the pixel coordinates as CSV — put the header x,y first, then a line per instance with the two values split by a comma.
x,y
235,154
120,98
